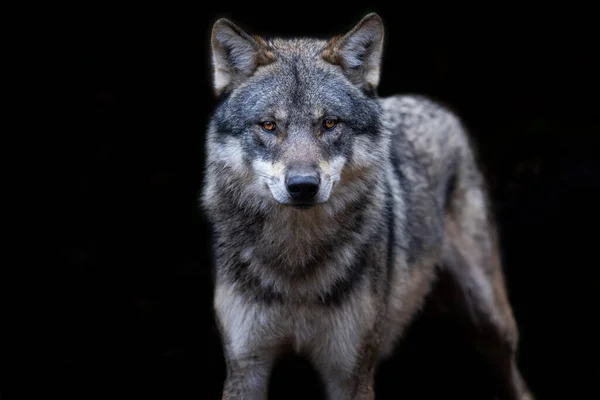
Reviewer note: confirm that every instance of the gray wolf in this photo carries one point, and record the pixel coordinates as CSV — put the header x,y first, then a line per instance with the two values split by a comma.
x,y
334,211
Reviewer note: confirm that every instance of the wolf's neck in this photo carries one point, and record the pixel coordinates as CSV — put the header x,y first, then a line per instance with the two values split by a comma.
x,y
300,239
297,237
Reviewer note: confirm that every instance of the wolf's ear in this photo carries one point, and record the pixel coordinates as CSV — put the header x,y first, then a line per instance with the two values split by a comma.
x,y
358,52
235,55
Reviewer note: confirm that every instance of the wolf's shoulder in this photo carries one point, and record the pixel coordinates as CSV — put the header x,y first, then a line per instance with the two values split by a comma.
x,y
413,110
428,124
428,133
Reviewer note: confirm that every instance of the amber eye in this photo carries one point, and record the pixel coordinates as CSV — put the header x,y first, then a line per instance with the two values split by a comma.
x,y
329,123
268,126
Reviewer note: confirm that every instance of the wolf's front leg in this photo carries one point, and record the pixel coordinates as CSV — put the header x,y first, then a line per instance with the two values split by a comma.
x,y
348,366
247,377
249,344
348,387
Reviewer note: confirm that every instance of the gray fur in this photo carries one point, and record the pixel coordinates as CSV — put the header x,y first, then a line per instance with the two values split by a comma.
x,y
400,195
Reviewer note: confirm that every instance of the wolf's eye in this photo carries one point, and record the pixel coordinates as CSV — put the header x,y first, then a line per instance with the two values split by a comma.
x,y
329,123
268,126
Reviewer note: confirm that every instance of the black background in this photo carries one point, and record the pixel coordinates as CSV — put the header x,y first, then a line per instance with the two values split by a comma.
x,y
130,310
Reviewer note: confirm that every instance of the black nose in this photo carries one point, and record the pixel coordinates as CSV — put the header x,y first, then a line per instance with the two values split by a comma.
x,y
302,187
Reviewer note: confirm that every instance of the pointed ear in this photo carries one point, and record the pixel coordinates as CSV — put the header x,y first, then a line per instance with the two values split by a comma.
x,y
358,52
235,55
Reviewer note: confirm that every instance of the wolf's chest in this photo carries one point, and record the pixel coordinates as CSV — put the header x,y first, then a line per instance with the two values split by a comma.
x,y
315,331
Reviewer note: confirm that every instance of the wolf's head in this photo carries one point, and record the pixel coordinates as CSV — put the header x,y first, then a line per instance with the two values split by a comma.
x,y
299,123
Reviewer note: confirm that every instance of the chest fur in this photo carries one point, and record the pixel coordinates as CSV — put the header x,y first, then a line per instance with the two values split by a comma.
x,y
321,333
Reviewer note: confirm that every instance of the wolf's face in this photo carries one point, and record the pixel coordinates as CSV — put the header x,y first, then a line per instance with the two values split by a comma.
x,y
299,115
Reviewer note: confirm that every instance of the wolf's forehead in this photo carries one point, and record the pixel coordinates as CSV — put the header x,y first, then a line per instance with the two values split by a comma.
x,y
301,62
303,47
298,84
